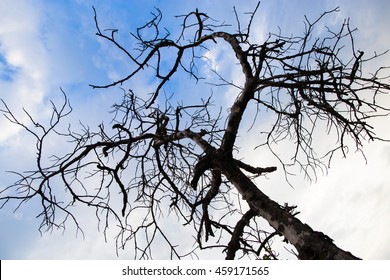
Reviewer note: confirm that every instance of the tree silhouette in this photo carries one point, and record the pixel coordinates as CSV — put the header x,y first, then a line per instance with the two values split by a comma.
x,y
164,159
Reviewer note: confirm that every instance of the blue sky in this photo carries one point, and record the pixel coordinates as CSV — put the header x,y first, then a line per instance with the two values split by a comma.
x,y
45,45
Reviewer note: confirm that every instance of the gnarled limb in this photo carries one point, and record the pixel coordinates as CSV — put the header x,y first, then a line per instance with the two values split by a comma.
x,y
180,159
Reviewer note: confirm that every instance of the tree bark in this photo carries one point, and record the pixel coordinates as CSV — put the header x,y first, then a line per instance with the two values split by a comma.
x,y
310,244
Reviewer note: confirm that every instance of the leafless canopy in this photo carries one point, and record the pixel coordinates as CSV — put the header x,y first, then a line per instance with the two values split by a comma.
x,y
162,160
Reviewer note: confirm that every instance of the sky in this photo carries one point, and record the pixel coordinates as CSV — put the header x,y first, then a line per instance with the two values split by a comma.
x,y
47,45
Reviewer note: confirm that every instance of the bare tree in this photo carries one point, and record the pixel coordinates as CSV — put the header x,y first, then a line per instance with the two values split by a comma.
x,y
161,159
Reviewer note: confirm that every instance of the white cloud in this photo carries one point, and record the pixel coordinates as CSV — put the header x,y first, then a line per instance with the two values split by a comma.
x,y
22,49
351,202
42,60
47,53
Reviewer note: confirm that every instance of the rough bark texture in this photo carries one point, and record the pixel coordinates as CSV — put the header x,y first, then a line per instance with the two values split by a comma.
x,y
310,244
178,159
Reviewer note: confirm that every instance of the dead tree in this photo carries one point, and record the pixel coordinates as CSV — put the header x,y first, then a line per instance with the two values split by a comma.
x,y
161,159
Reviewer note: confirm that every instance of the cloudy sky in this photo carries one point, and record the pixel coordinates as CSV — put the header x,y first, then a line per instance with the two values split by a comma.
x,y
45,45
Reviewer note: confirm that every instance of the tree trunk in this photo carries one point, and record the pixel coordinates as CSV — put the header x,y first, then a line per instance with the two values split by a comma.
x,y
310,244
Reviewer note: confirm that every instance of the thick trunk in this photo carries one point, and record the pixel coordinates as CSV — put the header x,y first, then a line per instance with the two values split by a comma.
x,y
310,244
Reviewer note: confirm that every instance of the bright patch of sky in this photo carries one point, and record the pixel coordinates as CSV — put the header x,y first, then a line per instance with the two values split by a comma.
x,y
45,45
